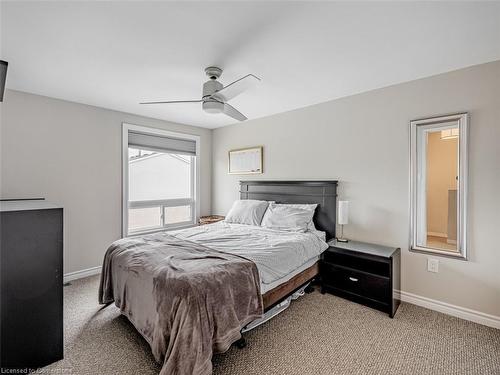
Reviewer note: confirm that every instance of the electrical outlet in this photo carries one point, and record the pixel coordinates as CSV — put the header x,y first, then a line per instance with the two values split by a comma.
x,y
432,265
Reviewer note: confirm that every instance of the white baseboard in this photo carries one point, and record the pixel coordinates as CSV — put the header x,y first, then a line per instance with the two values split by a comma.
x,y
431,304
70,276
449,309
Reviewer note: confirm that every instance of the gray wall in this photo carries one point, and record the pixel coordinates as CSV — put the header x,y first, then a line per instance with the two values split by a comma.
x,y
363,141
71,154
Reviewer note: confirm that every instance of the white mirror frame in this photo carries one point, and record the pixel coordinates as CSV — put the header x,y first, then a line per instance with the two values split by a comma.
x,y
462,122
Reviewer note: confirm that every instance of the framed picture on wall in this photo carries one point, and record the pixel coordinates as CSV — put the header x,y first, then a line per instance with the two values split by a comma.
x,y
245,161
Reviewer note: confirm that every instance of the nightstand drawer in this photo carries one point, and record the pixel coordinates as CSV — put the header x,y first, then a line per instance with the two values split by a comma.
x,y
357,282
355,261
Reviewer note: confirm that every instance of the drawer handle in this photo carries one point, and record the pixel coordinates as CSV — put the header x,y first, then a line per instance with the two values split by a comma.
x,y
353,279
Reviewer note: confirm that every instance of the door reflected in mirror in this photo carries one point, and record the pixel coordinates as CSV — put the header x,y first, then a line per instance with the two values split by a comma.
x,y
438,185
441,189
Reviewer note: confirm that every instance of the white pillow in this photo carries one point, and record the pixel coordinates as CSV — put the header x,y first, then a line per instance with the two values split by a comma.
x,y
310,227
290,217
247,211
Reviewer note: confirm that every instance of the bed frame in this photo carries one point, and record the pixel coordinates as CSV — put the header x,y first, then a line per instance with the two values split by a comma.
x,y
323,193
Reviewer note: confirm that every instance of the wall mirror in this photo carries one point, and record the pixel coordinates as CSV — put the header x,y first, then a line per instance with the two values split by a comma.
x,y
438,185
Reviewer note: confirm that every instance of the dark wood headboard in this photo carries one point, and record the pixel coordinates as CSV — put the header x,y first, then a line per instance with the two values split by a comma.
x,y
323,193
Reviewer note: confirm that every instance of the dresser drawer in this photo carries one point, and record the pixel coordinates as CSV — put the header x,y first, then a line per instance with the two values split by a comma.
x,y
363,284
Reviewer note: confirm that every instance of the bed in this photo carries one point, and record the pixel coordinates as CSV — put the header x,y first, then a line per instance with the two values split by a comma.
x,y
191,292
322,193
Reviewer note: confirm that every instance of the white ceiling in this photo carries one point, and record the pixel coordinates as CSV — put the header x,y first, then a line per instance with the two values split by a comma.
x,y
115,54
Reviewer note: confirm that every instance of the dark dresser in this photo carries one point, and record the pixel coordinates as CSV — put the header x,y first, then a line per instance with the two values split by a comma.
x,y
362,272
31,258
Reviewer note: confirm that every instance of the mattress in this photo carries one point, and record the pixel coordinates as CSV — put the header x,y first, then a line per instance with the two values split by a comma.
x,y
264,288
279,255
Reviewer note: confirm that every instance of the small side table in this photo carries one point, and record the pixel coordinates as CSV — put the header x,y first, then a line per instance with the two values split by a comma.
x,y
362,272
204,220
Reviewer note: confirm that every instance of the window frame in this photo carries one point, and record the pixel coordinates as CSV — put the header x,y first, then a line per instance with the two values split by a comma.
x,y
195,187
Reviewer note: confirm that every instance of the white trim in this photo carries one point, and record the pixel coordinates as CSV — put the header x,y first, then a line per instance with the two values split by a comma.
x,y
161,202
431,304
449,309
126,127
70,276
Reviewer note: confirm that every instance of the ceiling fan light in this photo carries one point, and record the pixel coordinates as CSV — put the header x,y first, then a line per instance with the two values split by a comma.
x,y
212,106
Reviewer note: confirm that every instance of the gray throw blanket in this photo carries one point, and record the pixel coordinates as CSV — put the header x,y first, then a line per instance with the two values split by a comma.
x,y
188,301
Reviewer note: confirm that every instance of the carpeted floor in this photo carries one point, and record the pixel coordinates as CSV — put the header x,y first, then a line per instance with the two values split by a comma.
x,y
318,334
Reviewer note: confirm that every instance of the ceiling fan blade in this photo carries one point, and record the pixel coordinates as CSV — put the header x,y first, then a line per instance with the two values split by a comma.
x,y
233,112
237,87
173,102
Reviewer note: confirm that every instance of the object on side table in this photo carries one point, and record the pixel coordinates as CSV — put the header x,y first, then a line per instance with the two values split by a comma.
x,y
210,219
363,273
31,258
343,219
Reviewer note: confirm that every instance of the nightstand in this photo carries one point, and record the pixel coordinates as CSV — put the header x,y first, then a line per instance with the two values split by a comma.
x,y
210,219
363,273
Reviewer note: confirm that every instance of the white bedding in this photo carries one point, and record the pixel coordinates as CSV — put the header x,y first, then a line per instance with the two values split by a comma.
x,y
279,255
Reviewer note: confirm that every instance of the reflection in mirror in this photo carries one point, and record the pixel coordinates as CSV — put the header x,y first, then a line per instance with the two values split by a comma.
x,y
441,189
438,176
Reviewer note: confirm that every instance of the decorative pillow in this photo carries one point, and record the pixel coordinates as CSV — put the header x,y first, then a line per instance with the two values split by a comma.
x,y
290,217
247,211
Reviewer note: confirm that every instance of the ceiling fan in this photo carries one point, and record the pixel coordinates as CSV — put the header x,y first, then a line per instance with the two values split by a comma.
x,y
216,95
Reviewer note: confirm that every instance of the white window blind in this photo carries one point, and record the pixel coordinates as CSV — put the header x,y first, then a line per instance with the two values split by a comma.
x,y
161,144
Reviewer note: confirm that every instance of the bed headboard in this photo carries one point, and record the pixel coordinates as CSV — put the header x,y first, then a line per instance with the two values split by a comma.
x,y
323,193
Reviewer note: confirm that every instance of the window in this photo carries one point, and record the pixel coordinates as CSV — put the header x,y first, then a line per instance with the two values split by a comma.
x,y
160,180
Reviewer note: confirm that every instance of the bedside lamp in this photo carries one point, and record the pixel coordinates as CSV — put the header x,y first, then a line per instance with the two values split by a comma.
x,y
343,218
